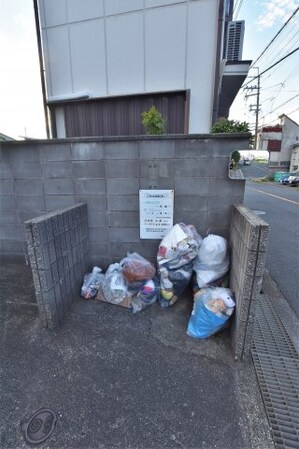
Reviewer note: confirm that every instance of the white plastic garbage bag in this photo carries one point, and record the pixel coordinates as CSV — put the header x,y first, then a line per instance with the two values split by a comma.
x,y
212,261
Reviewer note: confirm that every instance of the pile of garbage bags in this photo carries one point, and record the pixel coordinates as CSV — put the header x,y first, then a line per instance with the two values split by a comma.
x,y
183,255
131,283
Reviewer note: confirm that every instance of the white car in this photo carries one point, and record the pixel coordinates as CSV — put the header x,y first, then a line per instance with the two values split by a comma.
x,y
294,179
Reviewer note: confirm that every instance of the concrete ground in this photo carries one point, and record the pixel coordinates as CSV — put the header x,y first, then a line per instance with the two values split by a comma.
x,y
118,380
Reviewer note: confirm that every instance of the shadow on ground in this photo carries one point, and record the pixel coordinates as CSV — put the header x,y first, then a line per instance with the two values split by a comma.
x,y
118,380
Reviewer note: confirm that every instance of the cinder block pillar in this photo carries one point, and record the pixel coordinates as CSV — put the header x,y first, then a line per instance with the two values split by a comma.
x,y
248,243
58,246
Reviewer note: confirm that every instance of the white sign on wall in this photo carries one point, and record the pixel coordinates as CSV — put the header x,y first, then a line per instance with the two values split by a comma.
x,y
156,213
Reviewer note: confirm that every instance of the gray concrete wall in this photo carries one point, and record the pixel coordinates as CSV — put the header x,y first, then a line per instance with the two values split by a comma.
x,y
58,247
248,244
106,173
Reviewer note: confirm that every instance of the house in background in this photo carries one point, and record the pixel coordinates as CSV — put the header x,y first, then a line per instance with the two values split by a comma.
x,y
294,165
107,61
281,141
4,138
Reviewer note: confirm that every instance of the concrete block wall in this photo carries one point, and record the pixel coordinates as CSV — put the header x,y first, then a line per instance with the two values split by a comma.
x,y
248,243
106,173
58,248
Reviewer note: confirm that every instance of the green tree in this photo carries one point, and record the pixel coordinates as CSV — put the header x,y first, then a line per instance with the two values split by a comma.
x,y
235,158
153,121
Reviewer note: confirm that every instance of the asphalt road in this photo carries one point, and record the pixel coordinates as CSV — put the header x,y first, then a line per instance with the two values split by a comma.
x,y
278,205
254,170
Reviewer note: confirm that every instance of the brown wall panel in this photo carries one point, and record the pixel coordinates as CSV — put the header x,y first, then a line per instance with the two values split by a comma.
x,y
121,116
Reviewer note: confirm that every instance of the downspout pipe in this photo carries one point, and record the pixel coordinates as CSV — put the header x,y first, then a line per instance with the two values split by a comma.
x,y
219,49
41,66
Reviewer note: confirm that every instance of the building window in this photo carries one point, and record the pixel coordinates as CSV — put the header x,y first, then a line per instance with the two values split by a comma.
x,y
274,145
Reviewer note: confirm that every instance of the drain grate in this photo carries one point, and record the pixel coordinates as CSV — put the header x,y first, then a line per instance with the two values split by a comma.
x,y
276,363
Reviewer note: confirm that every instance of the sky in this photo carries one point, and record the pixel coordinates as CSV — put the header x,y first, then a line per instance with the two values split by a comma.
x,y
279,93
21,106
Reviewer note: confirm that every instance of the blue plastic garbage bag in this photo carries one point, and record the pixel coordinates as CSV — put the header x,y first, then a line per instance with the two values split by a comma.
x,y
212,309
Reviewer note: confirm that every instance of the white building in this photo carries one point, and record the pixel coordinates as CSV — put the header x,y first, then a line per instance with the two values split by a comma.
x,y
281,141
106,61
294,165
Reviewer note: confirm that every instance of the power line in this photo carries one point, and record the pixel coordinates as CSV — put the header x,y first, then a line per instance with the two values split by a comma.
x,y
282,104
295,110
284,47
271,67
275,120
276,35
271,87
285,37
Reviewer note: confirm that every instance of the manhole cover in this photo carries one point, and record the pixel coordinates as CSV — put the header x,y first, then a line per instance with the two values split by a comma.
x,y
40,426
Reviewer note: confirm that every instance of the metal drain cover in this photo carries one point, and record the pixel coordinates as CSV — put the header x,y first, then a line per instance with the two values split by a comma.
x,y
40,426
276,363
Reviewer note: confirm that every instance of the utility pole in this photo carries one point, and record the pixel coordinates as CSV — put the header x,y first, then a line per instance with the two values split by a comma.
x,y
257,110
255,107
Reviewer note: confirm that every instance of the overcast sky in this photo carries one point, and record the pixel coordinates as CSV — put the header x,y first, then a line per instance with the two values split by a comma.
x,y
21,109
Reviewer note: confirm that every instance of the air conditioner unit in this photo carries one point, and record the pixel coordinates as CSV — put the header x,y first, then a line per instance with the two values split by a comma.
x,y
234,40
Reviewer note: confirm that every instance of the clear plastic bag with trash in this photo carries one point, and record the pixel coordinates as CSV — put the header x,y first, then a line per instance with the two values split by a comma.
x,y
91,283
211,312
175,261
147,295
179,246
114,285
136,268
173,283
139,274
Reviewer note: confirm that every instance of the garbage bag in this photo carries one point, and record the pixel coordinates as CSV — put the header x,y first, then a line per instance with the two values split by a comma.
x,y
135,268
221,282
146,296
176,252
114,286
212,261
173,283
212,309
179,246
91,283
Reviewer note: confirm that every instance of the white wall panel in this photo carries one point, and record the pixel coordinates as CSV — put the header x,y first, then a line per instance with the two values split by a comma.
x,y
55,12
125,53
152,3
81,9
202,31
121,6
88,57
59,60
165,42
60,123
